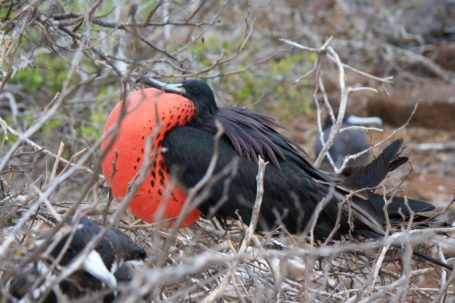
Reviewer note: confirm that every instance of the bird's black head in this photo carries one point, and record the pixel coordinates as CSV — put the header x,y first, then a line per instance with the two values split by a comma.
x,y
197,91
202,96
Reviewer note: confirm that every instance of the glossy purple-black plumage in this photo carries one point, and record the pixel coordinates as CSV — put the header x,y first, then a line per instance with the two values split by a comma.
x,y
293,187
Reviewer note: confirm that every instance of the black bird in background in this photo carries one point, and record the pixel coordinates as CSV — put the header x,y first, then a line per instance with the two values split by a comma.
x,y
293,187
348,142
104,267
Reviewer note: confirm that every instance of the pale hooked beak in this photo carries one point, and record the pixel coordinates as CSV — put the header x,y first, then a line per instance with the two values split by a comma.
x,y
94,265
355,120
168,88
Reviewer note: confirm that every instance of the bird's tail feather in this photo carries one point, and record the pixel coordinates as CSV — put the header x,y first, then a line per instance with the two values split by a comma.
x,y
373,235
368,210
372,174
399,206
368,207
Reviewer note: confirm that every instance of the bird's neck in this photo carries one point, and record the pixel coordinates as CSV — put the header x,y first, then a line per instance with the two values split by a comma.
x,y
201,117
205,109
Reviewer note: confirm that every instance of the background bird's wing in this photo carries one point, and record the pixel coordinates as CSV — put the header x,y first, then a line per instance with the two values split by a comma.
x,y
124,247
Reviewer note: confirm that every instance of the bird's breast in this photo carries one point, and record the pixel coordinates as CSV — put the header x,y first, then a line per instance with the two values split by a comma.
x,y
150,113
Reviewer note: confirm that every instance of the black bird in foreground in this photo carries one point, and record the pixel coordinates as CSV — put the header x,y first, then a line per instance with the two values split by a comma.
x,y
348,142
104,267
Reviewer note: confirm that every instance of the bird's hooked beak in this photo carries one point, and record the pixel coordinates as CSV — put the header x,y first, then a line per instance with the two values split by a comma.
x,y
94,265
355,120
168,88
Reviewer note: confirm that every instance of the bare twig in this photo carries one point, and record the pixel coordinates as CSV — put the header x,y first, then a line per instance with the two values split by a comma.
x,y
248,235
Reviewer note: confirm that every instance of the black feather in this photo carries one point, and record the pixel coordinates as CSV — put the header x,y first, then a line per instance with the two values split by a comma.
x,y
371,175
252,134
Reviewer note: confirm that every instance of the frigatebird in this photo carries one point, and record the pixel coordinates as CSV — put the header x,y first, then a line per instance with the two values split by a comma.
x,y
104,267
347,142
183,117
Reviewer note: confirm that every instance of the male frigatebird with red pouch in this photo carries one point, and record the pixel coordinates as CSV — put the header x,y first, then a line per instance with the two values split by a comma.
x,y
187,114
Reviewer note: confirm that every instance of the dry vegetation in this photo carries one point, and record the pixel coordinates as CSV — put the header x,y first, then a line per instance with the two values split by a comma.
x,y
66,63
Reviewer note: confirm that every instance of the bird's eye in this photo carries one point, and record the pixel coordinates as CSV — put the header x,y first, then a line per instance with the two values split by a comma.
x,y
195,90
